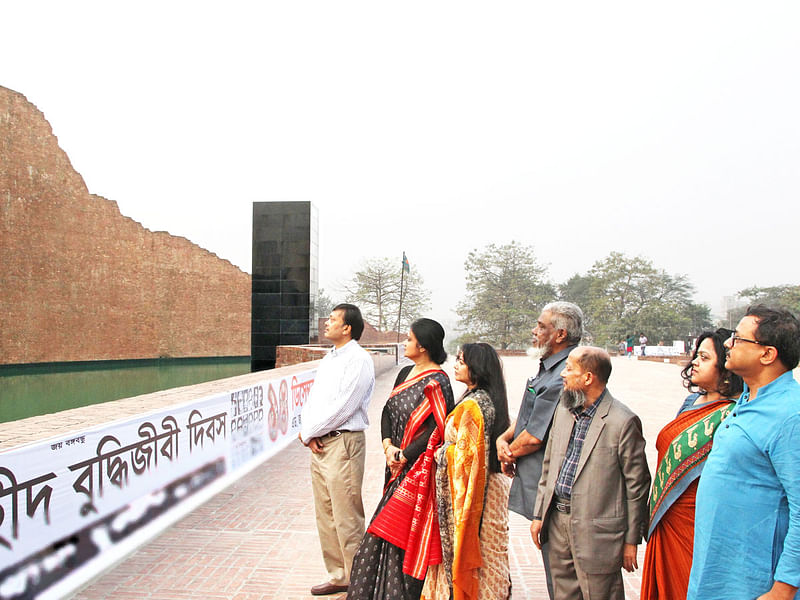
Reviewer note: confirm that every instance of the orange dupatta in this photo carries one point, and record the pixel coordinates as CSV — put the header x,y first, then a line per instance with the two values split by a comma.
x,y
466,469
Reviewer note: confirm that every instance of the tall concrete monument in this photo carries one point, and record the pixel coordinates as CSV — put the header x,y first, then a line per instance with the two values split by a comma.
x,y
285,278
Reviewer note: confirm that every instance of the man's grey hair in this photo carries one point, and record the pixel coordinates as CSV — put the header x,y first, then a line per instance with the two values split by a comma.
x,y
567,316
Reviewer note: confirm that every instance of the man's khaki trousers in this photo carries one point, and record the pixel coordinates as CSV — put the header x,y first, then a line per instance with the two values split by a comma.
x,y
336,477
570,582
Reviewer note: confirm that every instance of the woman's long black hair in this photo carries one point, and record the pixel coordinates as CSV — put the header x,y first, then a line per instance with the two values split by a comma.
x,y
730,385
486,372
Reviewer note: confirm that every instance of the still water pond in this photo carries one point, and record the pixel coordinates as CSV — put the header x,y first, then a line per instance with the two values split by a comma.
x,y
31,390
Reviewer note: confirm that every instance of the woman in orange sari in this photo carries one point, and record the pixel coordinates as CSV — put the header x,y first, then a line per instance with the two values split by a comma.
x,y
471,492
683,446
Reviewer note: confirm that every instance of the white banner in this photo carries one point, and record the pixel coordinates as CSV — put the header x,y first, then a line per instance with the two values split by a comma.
x,y
660,350
66,500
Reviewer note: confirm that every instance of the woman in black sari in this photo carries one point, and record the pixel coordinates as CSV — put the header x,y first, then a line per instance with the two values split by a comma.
x,y
403,537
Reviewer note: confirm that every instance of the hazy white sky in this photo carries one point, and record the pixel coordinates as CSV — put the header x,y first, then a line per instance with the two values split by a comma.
x,y
670,131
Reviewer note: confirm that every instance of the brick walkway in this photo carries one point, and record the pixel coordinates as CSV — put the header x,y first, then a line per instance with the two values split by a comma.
x,y
257,539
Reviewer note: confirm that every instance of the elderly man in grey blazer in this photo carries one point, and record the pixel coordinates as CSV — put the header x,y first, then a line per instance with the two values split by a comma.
x,y
592,498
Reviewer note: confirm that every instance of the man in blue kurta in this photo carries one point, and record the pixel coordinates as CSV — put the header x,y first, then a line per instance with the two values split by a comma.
x,y
747,520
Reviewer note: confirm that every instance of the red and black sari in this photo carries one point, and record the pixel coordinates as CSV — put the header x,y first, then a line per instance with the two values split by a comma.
x,y
403,537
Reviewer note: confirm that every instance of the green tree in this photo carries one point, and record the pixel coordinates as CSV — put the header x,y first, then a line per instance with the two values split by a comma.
x,y
578,289
375,288
783,296
506,290
628,295
700,319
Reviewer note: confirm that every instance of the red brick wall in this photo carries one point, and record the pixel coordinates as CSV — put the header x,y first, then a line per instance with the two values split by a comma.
x,y
287,356
293,355
370,335
510,352
80,281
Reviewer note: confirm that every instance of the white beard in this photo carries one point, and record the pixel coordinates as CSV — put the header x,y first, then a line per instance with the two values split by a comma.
x,y
572,399
539,352
535,353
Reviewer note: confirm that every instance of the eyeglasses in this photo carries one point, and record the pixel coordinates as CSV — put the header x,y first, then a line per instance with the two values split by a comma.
x,y
735,338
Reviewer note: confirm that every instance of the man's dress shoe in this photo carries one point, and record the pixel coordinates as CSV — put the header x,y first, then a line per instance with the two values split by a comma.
x,y
323,589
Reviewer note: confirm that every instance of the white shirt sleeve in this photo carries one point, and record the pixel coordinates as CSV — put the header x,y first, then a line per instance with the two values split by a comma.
x,y
341,399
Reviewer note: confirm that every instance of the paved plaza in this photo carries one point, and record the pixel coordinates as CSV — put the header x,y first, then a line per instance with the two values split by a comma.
x,y
257,539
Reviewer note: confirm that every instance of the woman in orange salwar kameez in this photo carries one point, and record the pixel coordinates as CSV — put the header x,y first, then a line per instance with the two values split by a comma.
x,y
683,446
471,492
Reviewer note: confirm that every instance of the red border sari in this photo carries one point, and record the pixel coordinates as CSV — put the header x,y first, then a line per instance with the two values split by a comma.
x,y
668,557
409,518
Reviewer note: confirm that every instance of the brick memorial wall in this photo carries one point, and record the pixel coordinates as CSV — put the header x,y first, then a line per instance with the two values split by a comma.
x,y
295,355
80,281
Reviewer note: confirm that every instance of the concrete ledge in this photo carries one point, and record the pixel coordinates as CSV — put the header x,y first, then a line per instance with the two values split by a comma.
x,y
384,356
100,480
34,429
122,471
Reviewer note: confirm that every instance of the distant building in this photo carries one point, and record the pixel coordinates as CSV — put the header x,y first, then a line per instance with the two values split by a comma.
x,y
730,307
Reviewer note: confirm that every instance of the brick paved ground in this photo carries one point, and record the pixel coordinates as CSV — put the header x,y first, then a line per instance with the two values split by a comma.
x,y
257,539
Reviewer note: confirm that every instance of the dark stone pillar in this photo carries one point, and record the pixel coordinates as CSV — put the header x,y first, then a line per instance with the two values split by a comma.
x,y
285,278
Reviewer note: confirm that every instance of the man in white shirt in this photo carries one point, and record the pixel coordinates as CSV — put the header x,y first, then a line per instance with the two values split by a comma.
x,y
333,422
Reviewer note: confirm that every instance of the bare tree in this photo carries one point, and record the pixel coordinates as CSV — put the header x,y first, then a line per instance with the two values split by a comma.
x,y
323,304
375,288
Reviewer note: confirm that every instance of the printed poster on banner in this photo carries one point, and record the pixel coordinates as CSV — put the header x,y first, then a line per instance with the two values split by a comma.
x,y
265,417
